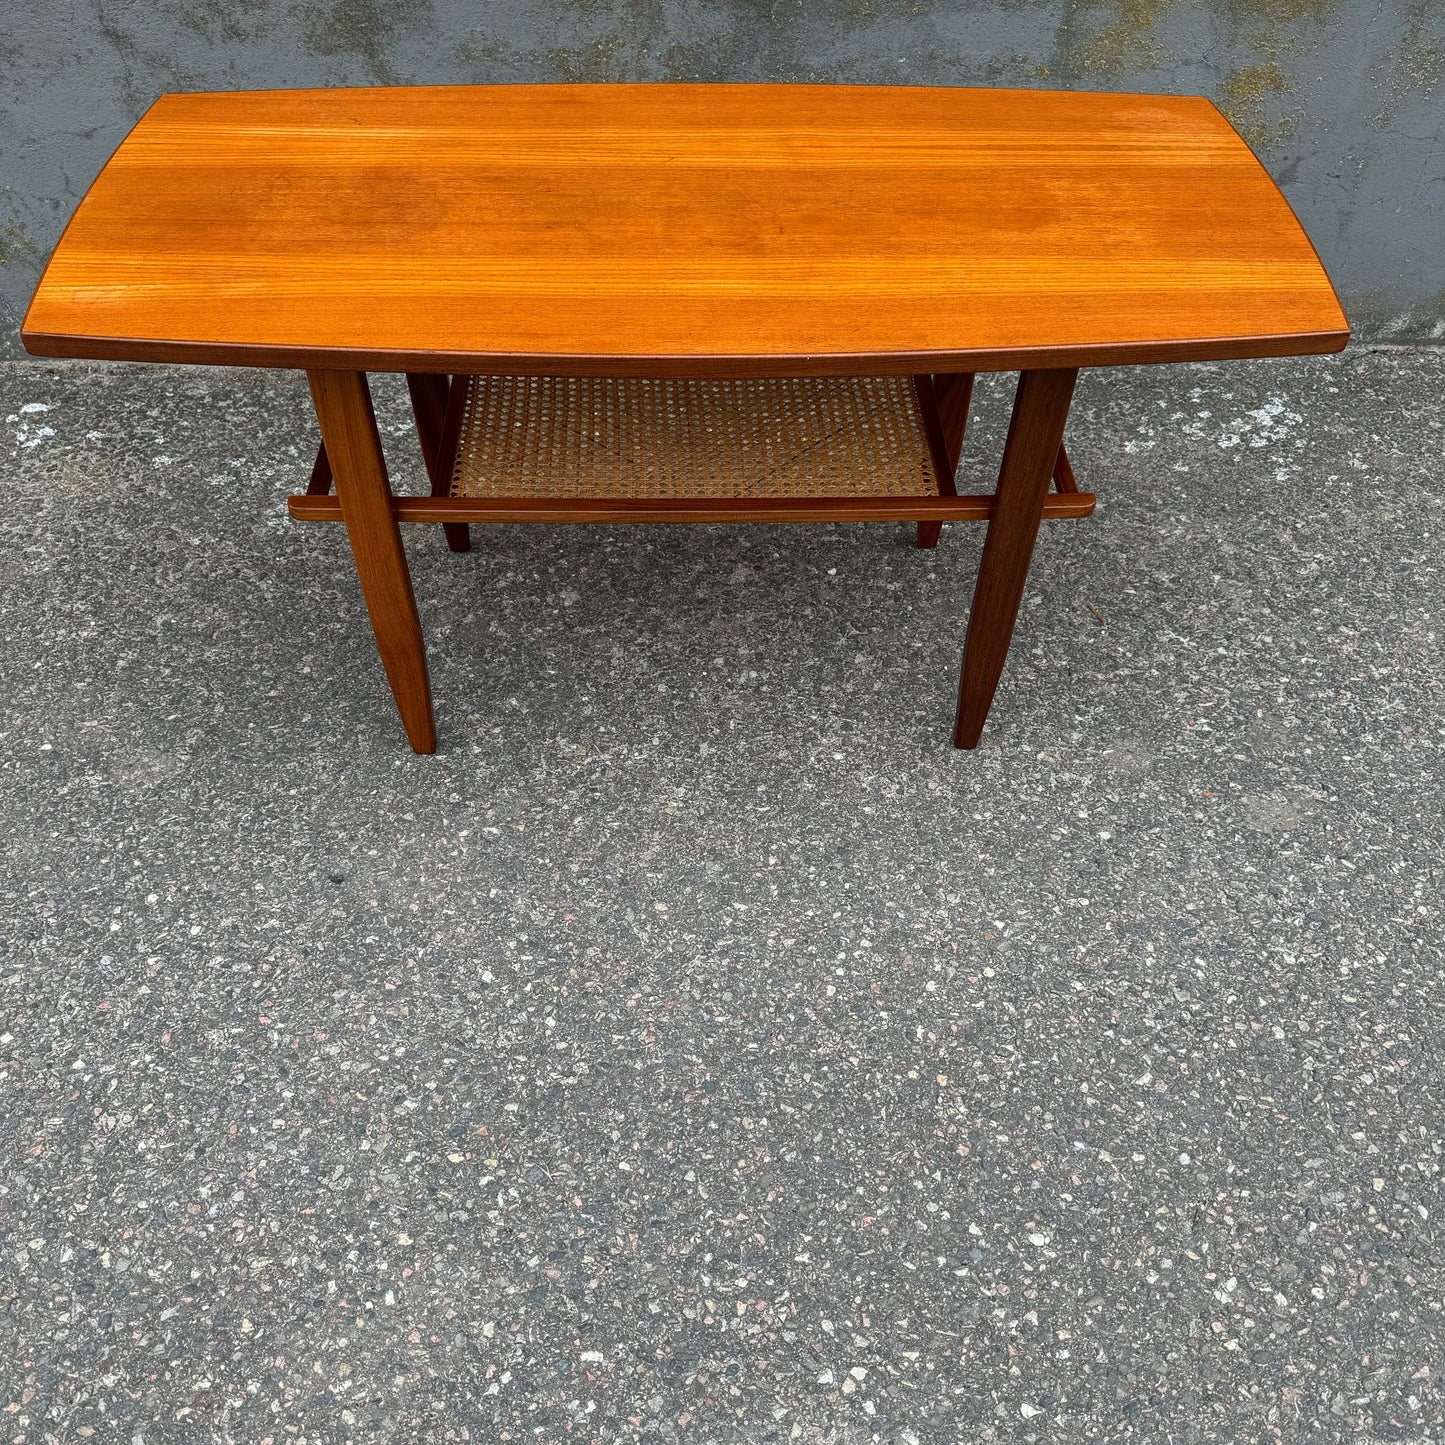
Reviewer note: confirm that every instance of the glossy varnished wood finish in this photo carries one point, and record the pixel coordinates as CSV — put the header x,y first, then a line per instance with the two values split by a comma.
x,y
952,393
364,501
451,510
1035,436
458,534
682,229
428,393
437,426
945,462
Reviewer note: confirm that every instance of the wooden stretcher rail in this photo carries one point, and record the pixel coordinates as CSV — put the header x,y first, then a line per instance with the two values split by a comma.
x,y
311,507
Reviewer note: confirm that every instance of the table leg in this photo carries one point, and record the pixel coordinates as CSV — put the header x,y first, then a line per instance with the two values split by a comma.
x,y
1035,434
430,398
954,392
429,407
348,427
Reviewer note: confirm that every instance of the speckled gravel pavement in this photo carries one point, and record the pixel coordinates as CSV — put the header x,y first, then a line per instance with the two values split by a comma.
x,y
698,1048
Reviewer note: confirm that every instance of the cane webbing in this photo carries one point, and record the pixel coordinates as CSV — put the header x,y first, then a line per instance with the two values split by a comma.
x,y
834,436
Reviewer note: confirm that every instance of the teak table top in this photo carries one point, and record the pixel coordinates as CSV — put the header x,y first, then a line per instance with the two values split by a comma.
x,y
683,229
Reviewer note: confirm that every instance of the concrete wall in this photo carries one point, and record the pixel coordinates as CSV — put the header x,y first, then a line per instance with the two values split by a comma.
x,y
1343,99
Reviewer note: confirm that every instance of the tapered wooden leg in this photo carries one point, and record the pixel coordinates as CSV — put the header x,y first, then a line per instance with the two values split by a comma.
x,y
954,392
1034,436
429,407
348,428
430,395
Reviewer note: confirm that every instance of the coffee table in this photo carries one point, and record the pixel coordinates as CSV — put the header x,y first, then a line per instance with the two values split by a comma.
x,y
684,303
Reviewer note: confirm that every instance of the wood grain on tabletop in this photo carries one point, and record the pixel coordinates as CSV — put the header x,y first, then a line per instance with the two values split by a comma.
x,y
653,228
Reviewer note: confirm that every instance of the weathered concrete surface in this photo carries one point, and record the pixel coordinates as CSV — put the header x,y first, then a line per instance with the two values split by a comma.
x,y
1342,98
697,1047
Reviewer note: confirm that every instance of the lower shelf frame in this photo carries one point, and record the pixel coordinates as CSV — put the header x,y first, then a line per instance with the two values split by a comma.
x,y
977,507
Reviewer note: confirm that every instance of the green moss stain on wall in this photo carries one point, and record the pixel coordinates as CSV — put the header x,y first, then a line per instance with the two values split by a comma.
x,y
619,51
363,28
1243,96
606,58
227,22
1419,60
1420,64
860,14
1112,37
17,247
1279,12
1254,97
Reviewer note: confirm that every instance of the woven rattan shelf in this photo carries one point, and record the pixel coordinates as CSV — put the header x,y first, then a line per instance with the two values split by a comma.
x,y
642,438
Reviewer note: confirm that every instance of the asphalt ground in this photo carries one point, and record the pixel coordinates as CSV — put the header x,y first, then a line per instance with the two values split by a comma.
x,y
698,1047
